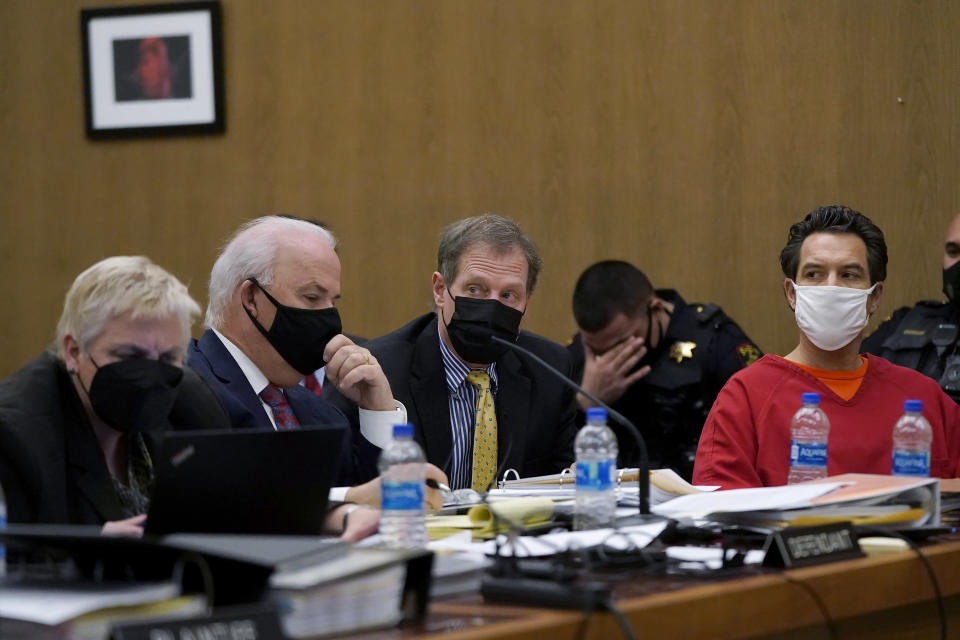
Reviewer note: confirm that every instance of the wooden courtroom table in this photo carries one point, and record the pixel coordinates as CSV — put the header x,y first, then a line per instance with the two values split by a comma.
x,y
877,597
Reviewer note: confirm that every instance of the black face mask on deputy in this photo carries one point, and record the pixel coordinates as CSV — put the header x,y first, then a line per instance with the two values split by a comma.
x,y
474,321
134,395
951,284
653,353
300,336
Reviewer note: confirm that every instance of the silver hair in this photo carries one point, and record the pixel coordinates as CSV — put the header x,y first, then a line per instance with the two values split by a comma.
x,y
251,253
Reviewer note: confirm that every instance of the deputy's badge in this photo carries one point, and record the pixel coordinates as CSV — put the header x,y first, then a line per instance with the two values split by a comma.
x,y
681,350
748,353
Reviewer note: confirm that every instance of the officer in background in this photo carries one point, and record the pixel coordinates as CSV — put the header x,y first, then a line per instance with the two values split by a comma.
x,y
925,337
655,358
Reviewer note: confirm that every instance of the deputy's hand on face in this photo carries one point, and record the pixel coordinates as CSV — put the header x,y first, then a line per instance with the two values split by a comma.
x,y
610,374
357,375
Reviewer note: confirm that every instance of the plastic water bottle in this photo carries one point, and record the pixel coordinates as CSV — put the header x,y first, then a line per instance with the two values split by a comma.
x,y
911,442
809,432
596,448
402,477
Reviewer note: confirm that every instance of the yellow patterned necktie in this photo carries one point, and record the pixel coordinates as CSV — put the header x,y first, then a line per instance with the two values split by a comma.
x,y
484,433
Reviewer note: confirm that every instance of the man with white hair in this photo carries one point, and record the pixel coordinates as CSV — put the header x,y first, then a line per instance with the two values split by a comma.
x,y
271,321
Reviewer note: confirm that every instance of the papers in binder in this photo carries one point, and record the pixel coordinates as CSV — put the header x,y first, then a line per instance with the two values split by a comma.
x,y
622,539
858,498
356,589
909,501
665,485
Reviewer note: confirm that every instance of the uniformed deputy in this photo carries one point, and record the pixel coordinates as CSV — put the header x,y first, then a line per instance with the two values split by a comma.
x,y
926,337
655,358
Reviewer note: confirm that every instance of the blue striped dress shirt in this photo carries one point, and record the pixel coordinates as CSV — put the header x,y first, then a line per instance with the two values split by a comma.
x,y
463,411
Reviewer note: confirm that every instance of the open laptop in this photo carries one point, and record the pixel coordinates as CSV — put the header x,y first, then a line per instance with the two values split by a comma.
x,y
263,482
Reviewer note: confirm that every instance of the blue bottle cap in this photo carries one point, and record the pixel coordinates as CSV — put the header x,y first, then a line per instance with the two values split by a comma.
x,y
596,414
403,430
913,405
810,397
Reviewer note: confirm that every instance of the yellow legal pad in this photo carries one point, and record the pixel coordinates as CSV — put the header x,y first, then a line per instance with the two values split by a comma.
x,y
517,512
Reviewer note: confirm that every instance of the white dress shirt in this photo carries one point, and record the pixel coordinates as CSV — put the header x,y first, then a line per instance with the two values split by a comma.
x,y
376,426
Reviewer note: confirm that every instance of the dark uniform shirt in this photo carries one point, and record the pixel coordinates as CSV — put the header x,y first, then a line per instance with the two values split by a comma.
x,y
907,338
702,348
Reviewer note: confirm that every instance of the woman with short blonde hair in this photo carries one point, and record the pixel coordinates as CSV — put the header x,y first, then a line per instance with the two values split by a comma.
x,y
73,421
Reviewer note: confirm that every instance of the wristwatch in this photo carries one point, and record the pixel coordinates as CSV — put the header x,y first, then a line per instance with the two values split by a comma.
x,y
346,514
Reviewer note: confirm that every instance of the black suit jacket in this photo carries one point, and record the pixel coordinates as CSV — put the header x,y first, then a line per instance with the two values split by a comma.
x,y
51,467
211,360
535,412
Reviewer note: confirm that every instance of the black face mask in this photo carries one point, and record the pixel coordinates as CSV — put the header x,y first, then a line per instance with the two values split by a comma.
x,y
135,394
300,336
951,284
474,321
653,353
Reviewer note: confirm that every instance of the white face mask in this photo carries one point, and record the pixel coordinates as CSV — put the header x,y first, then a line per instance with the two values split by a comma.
x,y
831,317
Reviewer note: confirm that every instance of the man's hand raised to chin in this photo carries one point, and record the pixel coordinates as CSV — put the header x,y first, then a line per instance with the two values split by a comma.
x,y
357,375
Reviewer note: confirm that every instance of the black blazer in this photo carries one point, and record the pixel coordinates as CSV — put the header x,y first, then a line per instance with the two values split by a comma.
x,y
535,412
214,363
51,467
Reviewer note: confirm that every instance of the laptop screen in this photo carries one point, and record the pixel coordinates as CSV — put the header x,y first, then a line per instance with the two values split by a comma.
x,y
266,482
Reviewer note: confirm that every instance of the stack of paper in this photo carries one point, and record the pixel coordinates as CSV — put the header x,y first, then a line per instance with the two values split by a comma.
x,y
857,498
358,589
86,611
455,573
622,539
665,485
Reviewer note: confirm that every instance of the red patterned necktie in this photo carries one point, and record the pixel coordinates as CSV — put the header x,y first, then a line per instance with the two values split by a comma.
x,y
311,382
282,413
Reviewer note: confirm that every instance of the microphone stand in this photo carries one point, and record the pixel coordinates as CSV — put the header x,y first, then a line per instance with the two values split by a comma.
x,y
643,479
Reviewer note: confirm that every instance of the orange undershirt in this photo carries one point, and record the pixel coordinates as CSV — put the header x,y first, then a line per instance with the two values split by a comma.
x,y
843,383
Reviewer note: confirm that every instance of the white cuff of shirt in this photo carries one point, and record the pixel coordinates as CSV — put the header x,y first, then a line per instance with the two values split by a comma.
x,y
377,426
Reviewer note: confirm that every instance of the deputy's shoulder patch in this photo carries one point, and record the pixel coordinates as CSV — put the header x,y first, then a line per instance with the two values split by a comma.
x,y
748,353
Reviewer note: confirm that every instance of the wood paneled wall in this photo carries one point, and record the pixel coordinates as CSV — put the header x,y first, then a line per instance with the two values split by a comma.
x,y
684,136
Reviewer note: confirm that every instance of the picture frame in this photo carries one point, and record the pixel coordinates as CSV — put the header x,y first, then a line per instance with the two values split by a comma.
x,y
153,70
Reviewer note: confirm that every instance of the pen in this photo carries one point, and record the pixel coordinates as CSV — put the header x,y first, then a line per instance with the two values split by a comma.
x,y
433,484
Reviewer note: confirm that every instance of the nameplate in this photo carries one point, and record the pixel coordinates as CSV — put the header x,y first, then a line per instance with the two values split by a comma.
x,y
237,623
804,546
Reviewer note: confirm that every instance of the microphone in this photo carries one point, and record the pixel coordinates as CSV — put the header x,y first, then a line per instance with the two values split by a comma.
x,y
643,480
508,581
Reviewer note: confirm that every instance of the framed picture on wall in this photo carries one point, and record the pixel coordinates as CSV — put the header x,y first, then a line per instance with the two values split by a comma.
x,y
153,70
